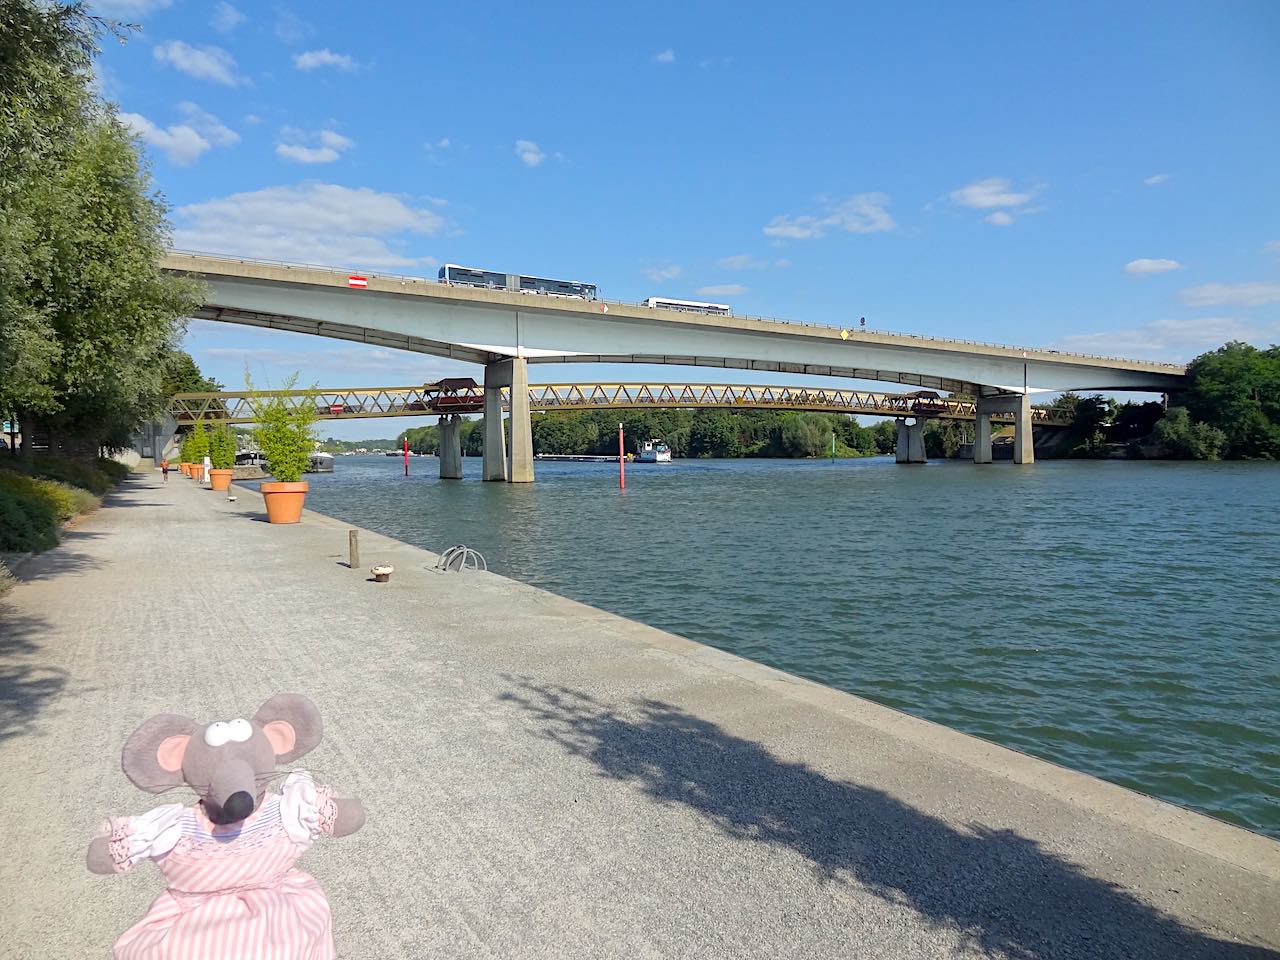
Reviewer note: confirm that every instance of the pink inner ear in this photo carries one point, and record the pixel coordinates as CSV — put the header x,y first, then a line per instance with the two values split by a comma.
x,y
281,735
170,752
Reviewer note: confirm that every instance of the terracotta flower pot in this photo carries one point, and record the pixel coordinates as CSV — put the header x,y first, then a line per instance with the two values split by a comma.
x,y
182,467
220,479
284,501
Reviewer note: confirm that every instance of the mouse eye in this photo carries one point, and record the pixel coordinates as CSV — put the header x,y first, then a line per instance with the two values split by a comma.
x,y
217,733
239,730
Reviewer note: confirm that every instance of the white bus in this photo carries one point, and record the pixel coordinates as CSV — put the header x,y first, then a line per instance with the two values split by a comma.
x,y
515,282
688,306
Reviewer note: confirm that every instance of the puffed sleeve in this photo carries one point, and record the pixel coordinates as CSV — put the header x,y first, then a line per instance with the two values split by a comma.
x,y
148,836
306,808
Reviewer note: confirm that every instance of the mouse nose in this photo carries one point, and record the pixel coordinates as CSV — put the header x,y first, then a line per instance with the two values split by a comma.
x,y
238,806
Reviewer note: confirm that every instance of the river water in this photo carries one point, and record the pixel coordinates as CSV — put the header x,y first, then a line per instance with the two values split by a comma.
x,y
1119,618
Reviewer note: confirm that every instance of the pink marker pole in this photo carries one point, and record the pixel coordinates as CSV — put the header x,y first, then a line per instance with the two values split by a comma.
x,y
406,456
622,462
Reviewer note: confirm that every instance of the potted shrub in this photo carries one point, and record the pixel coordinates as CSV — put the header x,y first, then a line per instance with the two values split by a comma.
x,y
184,456
222,452
285,435
198,450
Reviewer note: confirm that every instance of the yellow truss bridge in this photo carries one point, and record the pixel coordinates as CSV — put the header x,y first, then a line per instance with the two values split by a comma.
x,y
465,396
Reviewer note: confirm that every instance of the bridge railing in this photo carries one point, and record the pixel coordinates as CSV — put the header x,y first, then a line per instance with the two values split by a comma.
x,y
404,278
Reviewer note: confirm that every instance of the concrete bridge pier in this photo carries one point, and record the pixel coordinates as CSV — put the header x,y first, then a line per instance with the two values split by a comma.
x,y
911,441
1018,404
450,447
508,458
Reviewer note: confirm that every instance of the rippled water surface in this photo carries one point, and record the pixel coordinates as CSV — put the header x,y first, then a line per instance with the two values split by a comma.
x,y
1119,618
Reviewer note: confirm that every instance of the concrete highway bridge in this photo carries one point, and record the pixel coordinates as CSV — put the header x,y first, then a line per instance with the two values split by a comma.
x,y
451,398
506,331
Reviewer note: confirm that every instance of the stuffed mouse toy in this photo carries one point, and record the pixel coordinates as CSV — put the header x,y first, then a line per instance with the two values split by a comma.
x,y
233,891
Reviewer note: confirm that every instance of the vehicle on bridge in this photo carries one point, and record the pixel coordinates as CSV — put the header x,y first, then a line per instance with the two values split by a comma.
x,y
687,306
926,401
456,275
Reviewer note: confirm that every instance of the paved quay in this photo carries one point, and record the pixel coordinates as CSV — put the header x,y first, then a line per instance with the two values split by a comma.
x,y
546,780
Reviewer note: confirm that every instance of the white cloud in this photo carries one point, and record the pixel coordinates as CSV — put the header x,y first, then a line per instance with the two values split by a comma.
x,y
742,261
183,143
1145,266
180,143
290,27
529,153
1173,340
992,192
666,56
128,8
310,223
1272,247
443,143
1254,294
997,195
330,361
226,18
203,63
323,58
1156,178
721,290
209,126
252,119
668,271
302,147
861,213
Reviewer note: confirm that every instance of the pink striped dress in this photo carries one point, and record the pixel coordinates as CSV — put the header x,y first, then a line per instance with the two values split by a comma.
x,y
233,892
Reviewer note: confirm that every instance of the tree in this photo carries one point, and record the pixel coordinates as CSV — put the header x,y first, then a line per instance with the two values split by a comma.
x,y
285,431
1236,389
87,320
714,434
1183,438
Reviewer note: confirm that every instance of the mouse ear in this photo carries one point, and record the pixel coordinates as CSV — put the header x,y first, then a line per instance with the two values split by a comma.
x,y
152,756
292,724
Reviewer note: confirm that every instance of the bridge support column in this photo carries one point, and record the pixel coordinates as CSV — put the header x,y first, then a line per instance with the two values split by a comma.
x,y
450,447
506,458
911,441
520,443
982,435
1018,404
495,440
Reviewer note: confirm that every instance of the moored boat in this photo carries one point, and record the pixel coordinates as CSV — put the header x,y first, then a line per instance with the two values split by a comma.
x,y
653,451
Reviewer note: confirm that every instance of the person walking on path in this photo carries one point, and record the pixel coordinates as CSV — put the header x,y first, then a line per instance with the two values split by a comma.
x,y
164,468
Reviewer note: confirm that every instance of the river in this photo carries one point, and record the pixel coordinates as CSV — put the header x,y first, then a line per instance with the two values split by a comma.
x,y
1119,618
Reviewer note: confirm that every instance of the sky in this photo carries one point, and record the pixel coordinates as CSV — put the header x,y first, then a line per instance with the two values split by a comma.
x,y
1097,177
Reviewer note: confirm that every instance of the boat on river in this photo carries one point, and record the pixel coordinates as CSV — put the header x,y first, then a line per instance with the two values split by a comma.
x,y
320,463
653,451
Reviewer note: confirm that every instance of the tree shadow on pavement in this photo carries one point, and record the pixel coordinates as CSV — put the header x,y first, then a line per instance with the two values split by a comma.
x,y
26,688
1003,893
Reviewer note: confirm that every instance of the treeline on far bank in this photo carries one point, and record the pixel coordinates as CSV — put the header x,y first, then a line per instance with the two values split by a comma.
x,y
689,433
1230,410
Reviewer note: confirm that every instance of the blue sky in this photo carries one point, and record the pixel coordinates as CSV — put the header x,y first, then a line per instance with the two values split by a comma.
x,y
1091,176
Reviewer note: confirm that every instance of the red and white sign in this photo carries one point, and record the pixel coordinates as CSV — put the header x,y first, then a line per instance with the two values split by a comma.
x,y
336,408
354,281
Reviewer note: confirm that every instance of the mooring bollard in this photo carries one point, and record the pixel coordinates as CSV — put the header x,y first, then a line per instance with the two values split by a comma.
x,y
353,549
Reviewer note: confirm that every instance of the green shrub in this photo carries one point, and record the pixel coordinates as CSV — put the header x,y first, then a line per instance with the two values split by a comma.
x,y
52,466
7,579
199,448
26,524
114,469
62,499
284,433
222,447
